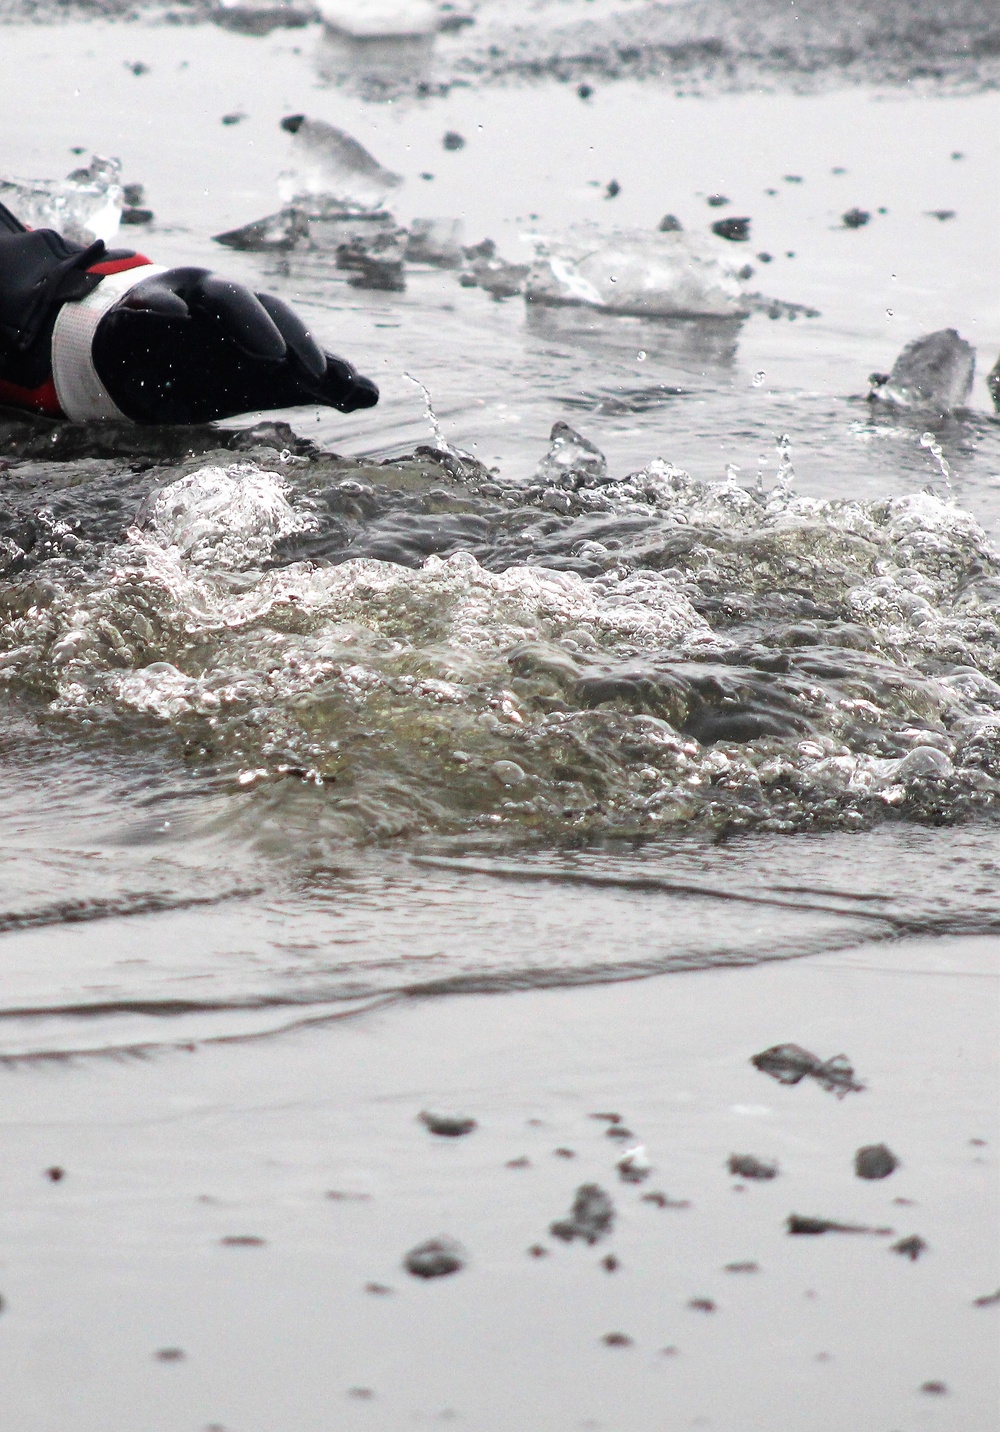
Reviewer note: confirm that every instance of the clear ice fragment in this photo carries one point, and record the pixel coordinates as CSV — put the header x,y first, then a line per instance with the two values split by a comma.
x,y
572,460
380,19
932,374
435,241
277,233
83,207
666,273
330,169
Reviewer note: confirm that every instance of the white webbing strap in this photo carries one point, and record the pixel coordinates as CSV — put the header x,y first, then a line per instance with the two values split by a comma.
x,y
82,396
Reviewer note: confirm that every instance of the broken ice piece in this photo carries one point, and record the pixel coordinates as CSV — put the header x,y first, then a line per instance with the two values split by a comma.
x,y
933,374
331,169
591,1216
380,19
737,231
260,17
277,233
448,1126
634,1166
436,242
484,268
666,273
435,1259
747,1166
83,207
571,461
376,260
911,1247
790,1063
875,1161
799,1224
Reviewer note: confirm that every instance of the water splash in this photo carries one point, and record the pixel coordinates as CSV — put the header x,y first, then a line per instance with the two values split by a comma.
x,y
440,441
930,442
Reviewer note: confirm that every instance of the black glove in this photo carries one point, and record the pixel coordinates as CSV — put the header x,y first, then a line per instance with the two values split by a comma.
x,y
187,346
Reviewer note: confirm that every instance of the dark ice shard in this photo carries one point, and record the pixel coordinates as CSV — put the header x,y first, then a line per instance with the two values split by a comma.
x,y
448,1126
798,1224
435,241
748,1166
435,1259
591,1216
790,1063
375,260
911,1247
932,374
875,1161
261,17
484,268
276,234
737,231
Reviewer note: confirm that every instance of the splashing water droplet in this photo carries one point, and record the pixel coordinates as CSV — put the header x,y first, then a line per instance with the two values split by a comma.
x,y
889,313
786,472
430,414
732,471
929,441
641,355
758,378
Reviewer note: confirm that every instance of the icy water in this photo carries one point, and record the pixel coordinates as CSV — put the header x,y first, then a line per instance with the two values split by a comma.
x,y
286,735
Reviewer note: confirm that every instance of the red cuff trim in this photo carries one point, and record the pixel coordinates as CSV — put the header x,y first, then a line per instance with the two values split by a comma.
x,y
119,265
36,400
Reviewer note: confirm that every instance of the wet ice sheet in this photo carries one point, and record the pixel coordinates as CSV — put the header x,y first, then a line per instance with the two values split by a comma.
x,y
166,1158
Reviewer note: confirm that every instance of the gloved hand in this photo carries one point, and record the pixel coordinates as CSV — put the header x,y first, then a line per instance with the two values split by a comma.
x,y
186,346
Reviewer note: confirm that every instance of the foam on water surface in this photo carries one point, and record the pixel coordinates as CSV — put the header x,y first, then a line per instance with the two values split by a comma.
x,y
645,653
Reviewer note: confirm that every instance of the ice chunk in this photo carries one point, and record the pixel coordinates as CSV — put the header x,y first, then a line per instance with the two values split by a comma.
x,y
572,460
375,260
665,273
83,207
484,268
435,241
380,19
330,169
260,17
932,374
277,233
376,46
592,1216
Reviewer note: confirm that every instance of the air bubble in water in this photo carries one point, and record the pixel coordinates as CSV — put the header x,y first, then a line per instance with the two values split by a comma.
x,y
889,313
758,378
